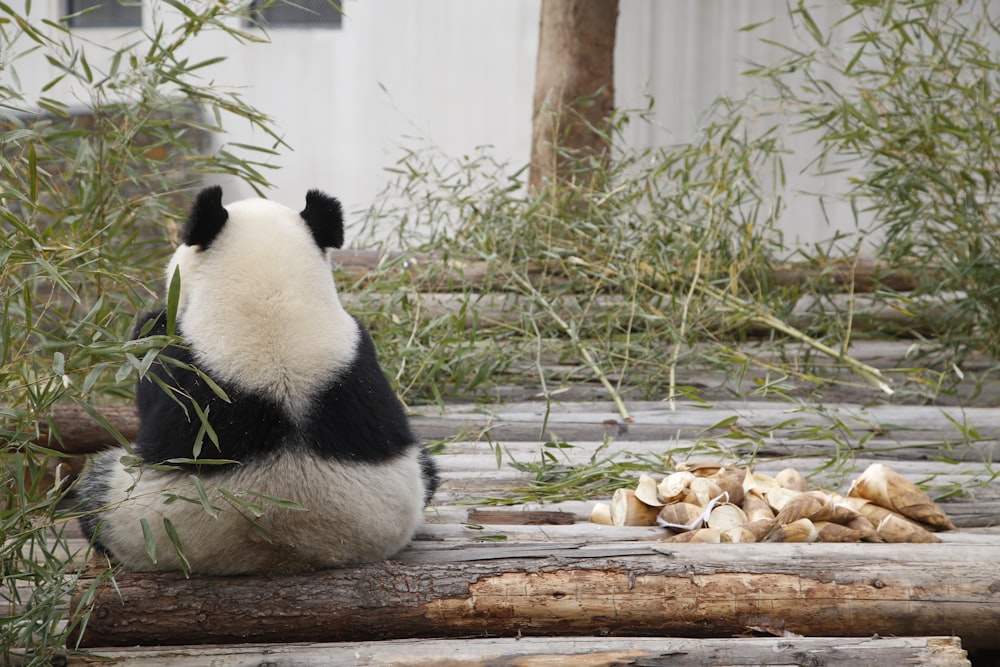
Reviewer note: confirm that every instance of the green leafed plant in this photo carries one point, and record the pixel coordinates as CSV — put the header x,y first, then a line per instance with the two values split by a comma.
x,y
89,199
646,265
664,260
904,97
666,257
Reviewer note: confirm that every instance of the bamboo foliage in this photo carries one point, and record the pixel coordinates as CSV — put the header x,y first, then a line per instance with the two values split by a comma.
x,y
89,201
684,235
680,235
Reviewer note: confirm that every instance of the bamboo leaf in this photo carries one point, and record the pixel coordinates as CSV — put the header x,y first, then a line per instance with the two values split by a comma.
x,y
148,538
173,301
105,424
205,428
203,496
280,502
32,172
175,540
241,503
201,462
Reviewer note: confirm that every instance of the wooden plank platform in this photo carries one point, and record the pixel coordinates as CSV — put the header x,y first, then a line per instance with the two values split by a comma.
x,y
463,578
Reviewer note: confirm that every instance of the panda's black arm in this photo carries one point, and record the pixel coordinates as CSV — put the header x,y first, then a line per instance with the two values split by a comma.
x,y
246,425
163,421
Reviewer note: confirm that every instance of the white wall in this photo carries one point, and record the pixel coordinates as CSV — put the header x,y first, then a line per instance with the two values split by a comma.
x,y
686,53
459,74
455,73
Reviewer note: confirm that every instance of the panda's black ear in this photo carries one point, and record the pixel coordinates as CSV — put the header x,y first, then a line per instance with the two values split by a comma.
x,y
325,219
207,218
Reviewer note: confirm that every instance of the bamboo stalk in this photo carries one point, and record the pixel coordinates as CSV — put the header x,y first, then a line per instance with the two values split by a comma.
x,y
757,314
578,345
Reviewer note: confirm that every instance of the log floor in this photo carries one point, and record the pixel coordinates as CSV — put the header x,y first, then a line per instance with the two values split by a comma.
x,y
487,582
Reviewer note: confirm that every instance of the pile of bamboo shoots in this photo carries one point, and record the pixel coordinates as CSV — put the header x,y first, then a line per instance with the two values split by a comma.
x,y
713,503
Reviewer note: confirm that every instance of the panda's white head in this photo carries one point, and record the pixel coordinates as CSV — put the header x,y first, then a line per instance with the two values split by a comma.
x,y
258,304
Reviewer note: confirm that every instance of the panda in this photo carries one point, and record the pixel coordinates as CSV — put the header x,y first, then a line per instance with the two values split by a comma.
x,y
275,379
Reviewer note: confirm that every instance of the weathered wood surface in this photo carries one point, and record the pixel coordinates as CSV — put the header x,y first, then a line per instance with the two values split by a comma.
x,y
950,427
539,589
461,480
929,431
951,448
553,652
470,575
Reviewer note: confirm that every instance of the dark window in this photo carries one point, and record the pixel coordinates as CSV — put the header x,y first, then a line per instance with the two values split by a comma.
x,y
104,13
295,13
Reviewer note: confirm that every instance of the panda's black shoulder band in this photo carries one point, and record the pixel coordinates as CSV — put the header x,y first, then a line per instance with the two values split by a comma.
x,y
207,218
325,219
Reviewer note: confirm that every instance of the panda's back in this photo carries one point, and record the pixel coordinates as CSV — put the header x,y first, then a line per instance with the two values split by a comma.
x,y
354,415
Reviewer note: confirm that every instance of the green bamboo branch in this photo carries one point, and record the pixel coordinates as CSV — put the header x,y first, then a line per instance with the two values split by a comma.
x,y
577,344
757,314
682,333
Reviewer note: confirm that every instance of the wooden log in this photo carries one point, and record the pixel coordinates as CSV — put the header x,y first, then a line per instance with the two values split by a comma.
x,y
552,652
79,433
509,309
960,433
779,447
862,275
970,431
768,421
537,589
519,518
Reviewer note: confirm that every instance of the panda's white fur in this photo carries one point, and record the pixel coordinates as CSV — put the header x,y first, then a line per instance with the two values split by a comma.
x,y
353,514
263,311
309,416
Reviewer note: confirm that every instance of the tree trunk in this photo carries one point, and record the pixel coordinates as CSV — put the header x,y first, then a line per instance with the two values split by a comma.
x,y
506,589
574,86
